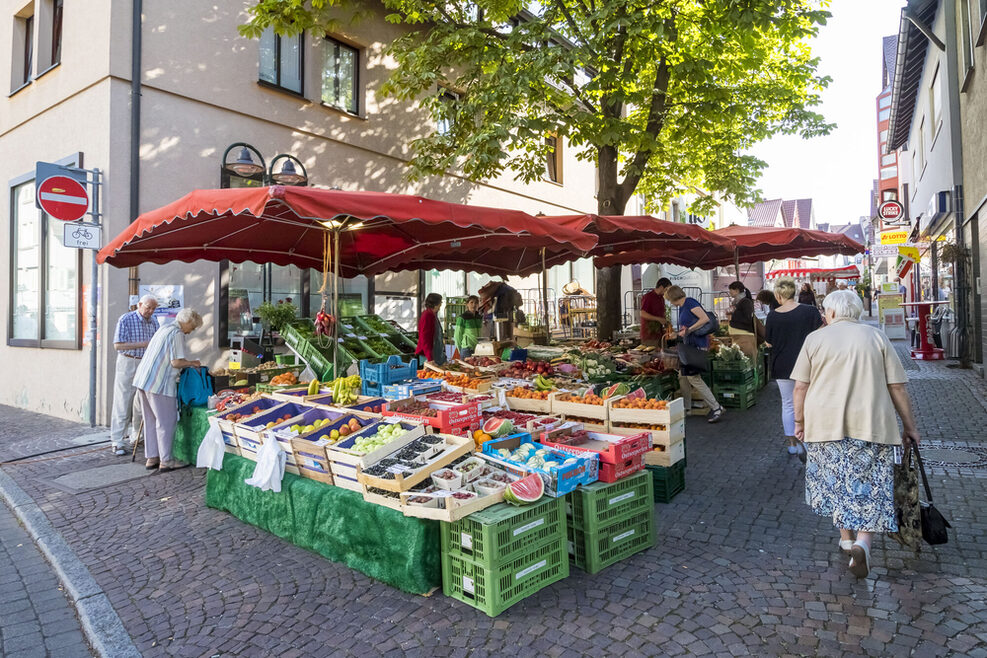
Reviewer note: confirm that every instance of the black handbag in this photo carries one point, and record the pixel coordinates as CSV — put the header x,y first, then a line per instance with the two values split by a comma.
x,y
692,357
934,524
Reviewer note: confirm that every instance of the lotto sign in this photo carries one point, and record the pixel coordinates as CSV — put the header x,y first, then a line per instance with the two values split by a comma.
x,y
894,237
891,212
63,198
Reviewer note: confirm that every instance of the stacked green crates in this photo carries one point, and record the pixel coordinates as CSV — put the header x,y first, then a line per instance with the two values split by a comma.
x,y
735,383
738,396
668,481
496,557
611,522
454,307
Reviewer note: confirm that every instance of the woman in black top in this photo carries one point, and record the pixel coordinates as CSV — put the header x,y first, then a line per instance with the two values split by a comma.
x,y
806,296
742,318
785,331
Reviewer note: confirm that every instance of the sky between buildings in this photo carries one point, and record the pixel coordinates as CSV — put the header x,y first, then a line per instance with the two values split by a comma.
x,y
838,171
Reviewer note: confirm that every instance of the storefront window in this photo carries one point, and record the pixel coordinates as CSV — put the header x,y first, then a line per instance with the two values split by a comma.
x,y
44,296
352,294
250,285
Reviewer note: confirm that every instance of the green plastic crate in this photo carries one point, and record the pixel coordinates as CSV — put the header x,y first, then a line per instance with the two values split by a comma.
x,y
735,377
736,397
495,589
595,551
503,532
719,365
600,504
668,481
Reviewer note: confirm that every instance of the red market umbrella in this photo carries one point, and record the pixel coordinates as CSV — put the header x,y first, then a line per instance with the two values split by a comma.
x,y
632,239
756,244
372,232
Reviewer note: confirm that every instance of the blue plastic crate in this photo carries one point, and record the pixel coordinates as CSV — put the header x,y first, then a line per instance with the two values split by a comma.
x,y
411,388
561,479
392,371
372,389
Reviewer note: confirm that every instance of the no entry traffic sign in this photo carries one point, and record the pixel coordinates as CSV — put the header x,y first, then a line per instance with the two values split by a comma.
x,y
63,198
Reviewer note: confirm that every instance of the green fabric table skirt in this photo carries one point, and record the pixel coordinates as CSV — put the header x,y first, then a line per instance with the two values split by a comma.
x,y
192,427
335,523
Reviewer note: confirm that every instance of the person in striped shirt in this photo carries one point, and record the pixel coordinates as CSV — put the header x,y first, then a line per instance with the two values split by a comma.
x,y
133,333
156,381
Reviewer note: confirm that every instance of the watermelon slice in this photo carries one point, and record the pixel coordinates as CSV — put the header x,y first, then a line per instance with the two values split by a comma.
x,y
525,491
639,394
497,427
610,391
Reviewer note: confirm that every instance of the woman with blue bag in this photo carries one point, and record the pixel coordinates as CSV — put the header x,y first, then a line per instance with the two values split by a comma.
x,y
695,326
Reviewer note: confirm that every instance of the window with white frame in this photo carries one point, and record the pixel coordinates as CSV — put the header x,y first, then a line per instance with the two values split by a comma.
x,y
885,101
888,172
340,76
888,159
935,102
22,53
448,100
966,45
884,115
883,137
553,170
281,61
48,22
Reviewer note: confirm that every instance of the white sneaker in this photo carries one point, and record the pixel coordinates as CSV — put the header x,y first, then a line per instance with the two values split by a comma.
x,y
119,451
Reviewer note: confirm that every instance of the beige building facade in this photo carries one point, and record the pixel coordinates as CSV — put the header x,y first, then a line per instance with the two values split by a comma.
x,y
203,87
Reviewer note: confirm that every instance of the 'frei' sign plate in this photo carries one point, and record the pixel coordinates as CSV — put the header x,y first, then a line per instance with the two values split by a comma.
x,y
897,236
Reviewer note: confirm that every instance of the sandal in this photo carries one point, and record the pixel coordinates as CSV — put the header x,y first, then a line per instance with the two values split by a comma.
x,y
152,463
846,545
859,559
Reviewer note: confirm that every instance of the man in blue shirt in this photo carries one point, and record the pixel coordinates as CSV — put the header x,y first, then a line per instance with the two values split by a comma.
x,y
133,333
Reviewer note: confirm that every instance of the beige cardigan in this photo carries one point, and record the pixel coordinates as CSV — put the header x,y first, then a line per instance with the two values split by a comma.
x,y
848,367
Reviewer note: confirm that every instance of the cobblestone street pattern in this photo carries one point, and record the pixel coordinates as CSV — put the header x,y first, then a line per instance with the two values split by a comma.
x,y
742,567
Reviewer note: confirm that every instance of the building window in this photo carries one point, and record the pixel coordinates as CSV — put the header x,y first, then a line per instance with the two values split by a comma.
x,y
889,195
885,101
883,115
967,44
45,292
340,76
888,159
554,168
982,23
49,38
935,102
56,33
883,137
888,172
447,111
281,60
22,57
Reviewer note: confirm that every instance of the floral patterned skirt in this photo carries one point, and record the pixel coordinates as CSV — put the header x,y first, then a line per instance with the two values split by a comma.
x,y
852,482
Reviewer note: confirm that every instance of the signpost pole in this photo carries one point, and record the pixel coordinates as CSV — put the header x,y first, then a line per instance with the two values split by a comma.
x,y
96,216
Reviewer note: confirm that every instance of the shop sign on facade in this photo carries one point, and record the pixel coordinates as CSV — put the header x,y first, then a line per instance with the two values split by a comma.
x,y
896,236
884,251
892,213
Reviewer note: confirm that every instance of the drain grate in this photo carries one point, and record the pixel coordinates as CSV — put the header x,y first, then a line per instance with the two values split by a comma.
x,y
935,453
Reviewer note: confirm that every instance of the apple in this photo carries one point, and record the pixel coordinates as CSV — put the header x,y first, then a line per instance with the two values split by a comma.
x,y
344,430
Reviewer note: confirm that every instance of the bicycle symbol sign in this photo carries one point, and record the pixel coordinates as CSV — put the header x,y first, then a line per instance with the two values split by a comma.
x,y
79,235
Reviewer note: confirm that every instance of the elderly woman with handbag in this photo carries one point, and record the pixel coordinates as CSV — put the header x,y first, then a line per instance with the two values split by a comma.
x,y
849,384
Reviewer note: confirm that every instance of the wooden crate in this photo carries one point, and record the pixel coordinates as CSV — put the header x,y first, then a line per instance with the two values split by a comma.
x,y
447,510
666,437
674,412
454,448
383,501
340,452
534,406
666,455
564,409
311,460
588,423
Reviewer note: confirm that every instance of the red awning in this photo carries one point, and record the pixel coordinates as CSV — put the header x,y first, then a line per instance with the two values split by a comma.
x,y
818,273
627,240
378,232
758,244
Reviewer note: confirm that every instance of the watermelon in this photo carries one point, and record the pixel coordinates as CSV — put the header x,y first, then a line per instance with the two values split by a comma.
x,y
497,427
610,391
639,394
525,491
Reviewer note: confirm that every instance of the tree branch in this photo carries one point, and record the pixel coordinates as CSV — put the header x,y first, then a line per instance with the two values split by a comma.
x,y
560,4
656,119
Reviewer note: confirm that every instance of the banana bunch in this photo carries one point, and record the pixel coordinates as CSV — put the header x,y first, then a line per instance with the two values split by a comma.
x,y
542,383
345,390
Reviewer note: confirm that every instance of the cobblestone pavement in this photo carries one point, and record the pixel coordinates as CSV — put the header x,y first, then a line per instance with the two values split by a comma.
x,y
741,565
36,619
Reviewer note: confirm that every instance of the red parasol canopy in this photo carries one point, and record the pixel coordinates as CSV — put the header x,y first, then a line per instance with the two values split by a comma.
x,y
756,244
626,240
378,232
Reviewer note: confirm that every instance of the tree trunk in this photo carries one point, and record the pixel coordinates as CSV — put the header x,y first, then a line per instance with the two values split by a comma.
x,y
610,201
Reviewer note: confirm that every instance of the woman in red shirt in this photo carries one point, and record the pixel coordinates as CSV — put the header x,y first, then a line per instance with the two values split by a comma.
x,y
430,341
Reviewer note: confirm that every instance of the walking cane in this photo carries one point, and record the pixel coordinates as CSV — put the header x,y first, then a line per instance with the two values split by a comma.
x,y
137,441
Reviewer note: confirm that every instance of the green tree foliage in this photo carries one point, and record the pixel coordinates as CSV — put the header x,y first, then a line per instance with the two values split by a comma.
x,y
665,96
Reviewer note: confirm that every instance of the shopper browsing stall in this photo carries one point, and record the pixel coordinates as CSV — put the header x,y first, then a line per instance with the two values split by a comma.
x,y
133,333
430,342
742,320
156,381
694,323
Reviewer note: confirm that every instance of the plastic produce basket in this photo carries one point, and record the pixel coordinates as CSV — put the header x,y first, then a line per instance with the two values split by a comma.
x,y
721,365
391,371
597,505
593,551
503,532
736,397
735,377
495,589
668,481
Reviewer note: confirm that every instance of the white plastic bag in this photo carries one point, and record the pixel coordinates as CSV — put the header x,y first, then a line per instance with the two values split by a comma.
x,y
270,466
212,448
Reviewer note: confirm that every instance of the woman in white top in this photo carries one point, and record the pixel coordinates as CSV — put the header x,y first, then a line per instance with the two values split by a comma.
x,y
849,384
